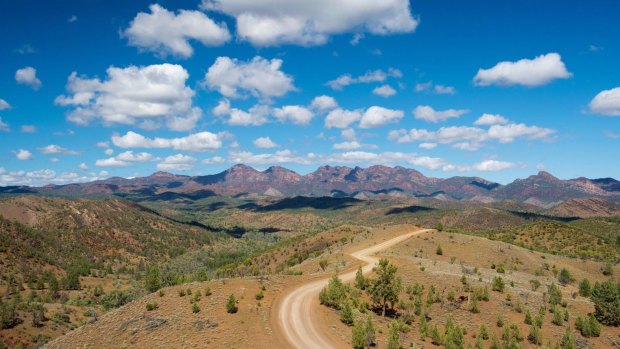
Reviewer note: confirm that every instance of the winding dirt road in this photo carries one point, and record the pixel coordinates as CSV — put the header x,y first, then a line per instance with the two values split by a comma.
x,y
295,313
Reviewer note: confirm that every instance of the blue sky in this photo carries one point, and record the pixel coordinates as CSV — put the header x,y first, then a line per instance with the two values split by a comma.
x,y
92,89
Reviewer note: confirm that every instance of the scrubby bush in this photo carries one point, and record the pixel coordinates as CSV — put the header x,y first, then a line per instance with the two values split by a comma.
x,y
555,294
568,340
498,284
231,304
117,299
439,250
196,308
585,288
334,294
360,280
565,277
152,306
363,334
535,336
346,314
588,326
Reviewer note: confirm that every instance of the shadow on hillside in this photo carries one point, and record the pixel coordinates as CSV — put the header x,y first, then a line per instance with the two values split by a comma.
x,y
408,209
299,202
536,216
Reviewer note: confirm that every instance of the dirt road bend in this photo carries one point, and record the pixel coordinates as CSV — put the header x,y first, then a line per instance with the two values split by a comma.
x,y
295,310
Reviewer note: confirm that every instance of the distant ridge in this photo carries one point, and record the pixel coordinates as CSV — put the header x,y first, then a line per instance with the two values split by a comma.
x,y
542,189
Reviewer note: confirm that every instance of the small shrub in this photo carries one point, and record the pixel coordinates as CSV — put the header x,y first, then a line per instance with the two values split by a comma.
x,y
588,326
565,277
535,336
195,308
585,288
152,306
439,250
498,284
231,304
259,296
346,314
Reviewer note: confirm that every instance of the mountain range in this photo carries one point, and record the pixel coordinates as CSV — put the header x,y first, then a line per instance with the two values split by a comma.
x,y
542,189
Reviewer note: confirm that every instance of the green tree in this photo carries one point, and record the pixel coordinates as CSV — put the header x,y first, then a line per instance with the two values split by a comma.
x,y
454,337
528,317
360,280
369,330
231,304
151,280
358,336
334,294
474,306
423,327
568,340
588,326
535,284
346,314
608,269
558,316
72,280
484,332
565,277
54,286
535,336
498,284
436,337
386,287
606,299
585,288
555,294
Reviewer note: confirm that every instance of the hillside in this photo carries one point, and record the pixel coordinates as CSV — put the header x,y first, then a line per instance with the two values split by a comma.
x,y
585,208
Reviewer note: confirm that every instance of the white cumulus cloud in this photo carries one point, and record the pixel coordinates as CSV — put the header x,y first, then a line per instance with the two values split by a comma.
x,y
56,149
178,162
165,32
384,91
259,77
306,23
196,142
23,154
490,119
341,118
293,113
378,116
526,72
264,143
324,103
28,76
427,113
148,95
606,102
125,159
369,77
